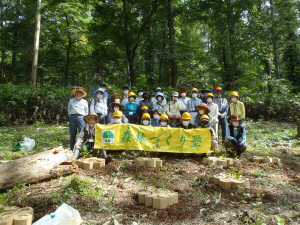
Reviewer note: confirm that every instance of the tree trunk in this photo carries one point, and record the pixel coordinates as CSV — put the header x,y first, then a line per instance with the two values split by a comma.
x,y
275,53
2,43
68,52
174,74
15,43
34,168
36,43
163,46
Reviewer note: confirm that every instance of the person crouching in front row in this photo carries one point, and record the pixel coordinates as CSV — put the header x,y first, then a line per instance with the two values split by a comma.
x,y
204,123
235,135
185,121
87,136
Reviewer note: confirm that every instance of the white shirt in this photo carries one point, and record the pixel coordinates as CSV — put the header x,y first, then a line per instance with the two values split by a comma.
x,y
124,100
154,100
138,99
214,111
100,107
78,107
184,103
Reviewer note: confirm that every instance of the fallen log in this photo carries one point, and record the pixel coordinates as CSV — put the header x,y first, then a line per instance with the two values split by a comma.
x,y
49,164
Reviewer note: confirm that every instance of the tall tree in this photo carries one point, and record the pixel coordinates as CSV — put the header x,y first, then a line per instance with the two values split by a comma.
x,y
171,16
36,43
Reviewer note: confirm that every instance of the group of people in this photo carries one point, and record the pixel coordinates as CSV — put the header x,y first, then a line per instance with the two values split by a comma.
x,y
201,110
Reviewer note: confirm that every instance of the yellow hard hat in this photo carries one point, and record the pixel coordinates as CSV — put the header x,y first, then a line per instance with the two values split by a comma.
x,y
209,95
118,113
234,94
186,116
131,94
146,116
164,117
205,117
194,89
145,107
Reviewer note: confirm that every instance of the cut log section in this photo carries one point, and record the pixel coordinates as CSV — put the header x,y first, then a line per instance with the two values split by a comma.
x,y
31,169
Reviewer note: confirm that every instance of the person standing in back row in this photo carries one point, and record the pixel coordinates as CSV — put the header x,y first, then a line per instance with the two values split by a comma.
x,y
223,110
99,105
214,111
236,107
174,105
77,109
125,96
183,99
192,103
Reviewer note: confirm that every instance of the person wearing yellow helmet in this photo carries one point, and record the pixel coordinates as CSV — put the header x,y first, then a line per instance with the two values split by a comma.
x,y
192,103
87,136
236,107
214,111
204,123
164,120
117,117
77,109
131,108
154,120
235,135
174,105
146,119
222,103
202,109
185,121
115,106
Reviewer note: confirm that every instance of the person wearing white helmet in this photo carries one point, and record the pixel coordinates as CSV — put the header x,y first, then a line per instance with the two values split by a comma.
x,y
174,105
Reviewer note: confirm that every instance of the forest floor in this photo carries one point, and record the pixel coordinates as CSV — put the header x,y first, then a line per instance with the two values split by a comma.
x,y
109,195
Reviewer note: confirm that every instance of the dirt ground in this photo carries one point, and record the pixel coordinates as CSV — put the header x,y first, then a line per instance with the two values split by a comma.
x,y
274,196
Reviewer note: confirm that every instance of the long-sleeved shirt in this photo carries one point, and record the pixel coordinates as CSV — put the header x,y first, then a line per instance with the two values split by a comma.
x,y
192,103
131,108
198,118
82,138
214,111
138,99
237,108
184,103
222,104
148,104
124,100
173,108
78,107
99,107
235,132
160,106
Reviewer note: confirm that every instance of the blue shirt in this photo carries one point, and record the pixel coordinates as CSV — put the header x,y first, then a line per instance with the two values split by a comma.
x,y
154,123
235,132
131,107
192,103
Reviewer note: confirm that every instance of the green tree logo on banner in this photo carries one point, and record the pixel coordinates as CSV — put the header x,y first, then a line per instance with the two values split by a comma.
x,y
108,136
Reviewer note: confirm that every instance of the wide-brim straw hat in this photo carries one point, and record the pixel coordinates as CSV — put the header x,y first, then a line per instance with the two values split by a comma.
x,y
94,115
79,89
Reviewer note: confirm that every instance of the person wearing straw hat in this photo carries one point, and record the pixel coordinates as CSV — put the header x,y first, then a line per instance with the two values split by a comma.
x,y
214,111
223,110
174,120
164,120
183,99
87,136
116,106
77,109
204,123
235,135
154,120
202,110
140,96
159,104
156,91
117,117
236,107
192,103
131,108
99,104
125,96
174,105
185,121
116,97
108,99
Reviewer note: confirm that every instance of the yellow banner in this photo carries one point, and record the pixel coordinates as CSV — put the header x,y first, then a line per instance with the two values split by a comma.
x,y
156,139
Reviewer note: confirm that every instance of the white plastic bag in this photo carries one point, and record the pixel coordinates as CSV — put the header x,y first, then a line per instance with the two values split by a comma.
x,y
64,215
28,144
